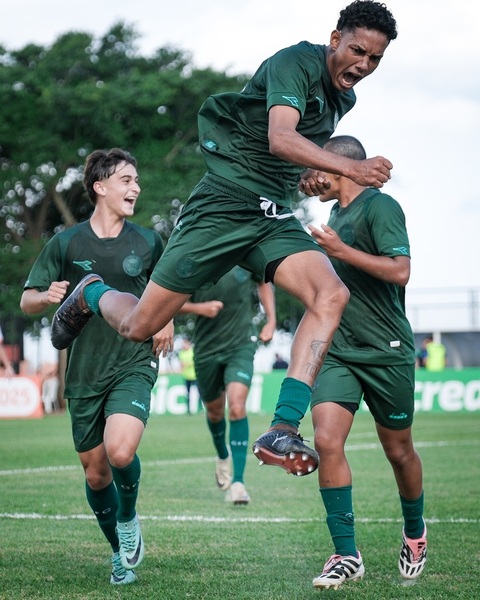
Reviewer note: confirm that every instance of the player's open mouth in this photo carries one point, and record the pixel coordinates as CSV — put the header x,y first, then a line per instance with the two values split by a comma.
x,y
349,79
130,200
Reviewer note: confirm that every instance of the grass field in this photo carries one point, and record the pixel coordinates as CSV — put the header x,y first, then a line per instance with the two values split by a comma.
x,y
200,547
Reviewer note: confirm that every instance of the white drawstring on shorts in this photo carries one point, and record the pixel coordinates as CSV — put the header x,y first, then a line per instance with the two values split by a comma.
x,y
267,205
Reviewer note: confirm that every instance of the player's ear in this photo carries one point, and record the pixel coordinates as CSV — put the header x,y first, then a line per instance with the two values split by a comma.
x,y
335,38
98,188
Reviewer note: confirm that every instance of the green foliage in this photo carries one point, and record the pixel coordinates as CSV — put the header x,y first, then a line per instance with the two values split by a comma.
x,y
61,102
82,93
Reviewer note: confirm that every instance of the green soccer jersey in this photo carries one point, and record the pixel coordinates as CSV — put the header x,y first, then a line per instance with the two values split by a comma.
x,y
100,356
374,328
233,127
233,325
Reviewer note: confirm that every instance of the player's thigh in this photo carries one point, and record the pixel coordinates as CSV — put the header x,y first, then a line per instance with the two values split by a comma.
x,y
87,421
239,364
389,394
337,383
281,239
213,234
210,376
131,395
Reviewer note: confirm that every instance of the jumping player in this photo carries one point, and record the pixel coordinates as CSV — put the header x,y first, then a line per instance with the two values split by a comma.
x,y
256,143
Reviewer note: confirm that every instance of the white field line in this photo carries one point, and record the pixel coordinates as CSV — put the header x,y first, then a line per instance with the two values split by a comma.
x,y
203,519
193,461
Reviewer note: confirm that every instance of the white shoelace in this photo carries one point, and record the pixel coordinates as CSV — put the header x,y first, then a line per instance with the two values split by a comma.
x,y
268,205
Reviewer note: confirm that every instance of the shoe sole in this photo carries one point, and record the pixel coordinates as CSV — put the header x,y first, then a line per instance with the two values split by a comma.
x,y
295,463
336,586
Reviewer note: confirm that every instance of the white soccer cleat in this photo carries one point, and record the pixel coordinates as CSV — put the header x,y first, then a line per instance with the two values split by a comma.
x,y
223,473
237,494
413,556
131,543
339,569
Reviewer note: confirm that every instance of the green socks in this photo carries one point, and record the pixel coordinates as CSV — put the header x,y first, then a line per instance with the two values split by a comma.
x,y
127,481
340,518
412,511
92,294
104,504
292,402
218,435
238,446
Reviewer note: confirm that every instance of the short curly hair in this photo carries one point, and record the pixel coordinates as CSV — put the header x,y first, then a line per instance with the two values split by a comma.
x,y
370,15
102,164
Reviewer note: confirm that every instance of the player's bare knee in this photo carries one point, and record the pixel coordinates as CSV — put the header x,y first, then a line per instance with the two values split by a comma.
x,y
96,480
341,295
120,456
325,443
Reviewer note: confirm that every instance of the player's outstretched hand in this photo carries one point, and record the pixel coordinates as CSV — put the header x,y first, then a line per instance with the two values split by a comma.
x,y
162,342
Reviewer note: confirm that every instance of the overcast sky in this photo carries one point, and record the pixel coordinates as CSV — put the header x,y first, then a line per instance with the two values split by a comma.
x,y
420,109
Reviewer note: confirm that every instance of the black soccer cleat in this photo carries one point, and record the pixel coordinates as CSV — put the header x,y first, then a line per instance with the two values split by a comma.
x,y
284,448
72,316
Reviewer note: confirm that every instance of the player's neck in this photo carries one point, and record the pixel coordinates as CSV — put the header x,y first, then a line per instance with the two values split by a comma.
x,y
106,225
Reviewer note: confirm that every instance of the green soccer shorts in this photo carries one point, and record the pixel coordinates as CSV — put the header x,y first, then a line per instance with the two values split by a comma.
x,y
223,225
216,371
388,390
130,396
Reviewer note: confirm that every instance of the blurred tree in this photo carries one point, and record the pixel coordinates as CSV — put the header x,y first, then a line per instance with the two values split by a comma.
x,y
61,102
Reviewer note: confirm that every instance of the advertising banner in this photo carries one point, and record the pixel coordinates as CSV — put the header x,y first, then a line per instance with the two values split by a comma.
x,y
450,390
20,397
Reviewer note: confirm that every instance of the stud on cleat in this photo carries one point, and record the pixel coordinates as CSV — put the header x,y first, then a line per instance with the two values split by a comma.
x,y
285,448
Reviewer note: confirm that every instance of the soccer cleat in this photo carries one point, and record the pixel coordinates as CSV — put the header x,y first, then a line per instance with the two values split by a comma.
x,y
120,575
284,448
339,569
223,473
131,543
413,556
237,494
72,316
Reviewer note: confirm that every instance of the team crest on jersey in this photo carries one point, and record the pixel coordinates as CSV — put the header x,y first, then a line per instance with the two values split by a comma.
x,y
132,265
347,234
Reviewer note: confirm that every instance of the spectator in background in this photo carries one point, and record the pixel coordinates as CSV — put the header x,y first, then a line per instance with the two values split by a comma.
x,y
185,356
436,355
421,354
279,363
7,370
